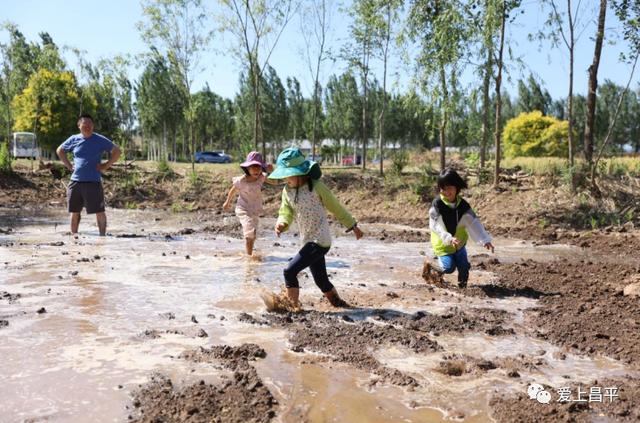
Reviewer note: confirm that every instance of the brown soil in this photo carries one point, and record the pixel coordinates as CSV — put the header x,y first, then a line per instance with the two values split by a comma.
x,y
535,208
523,409
581,305
242,398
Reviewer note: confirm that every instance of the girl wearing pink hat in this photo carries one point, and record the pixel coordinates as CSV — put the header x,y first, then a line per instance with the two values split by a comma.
x,y
248,188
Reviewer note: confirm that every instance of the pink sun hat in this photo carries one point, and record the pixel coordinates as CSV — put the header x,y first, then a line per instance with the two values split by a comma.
x,y
254,158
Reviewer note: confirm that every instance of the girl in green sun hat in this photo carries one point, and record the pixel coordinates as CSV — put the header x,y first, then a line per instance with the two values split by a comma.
x,y
306,198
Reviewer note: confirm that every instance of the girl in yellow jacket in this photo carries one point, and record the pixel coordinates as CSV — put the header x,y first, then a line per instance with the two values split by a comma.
x,y
452,222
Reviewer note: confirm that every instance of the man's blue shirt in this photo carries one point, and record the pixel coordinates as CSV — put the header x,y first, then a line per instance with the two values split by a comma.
x,y
87,154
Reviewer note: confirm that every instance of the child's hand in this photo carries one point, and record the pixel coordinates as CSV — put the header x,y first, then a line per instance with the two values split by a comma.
x,y
357,232
280,227
455,242
489,246
226,206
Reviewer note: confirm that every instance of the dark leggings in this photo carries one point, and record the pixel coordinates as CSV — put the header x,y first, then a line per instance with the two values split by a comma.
x,y
311,255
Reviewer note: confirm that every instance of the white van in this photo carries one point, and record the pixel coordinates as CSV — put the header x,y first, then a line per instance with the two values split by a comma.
x,y
24,145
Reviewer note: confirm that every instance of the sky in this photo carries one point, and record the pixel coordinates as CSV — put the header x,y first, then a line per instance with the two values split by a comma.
x,y
105,28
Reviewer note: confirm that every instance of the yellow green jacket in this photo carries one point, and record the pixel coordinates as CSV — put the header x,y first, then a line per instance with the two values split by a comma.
x,y
448,221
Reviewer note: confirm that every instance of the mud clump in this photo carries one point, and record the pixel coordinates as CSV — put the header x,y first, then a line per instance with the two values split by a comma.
x,y
581,304
458,364
155,334
168,315
452,367
10,298
455,320
247,318
231,357
353,343
3,323
242,398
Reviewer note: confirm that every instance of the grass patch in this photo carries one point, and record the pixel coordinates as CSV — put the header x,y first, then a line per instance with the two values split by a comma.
x,y
555,166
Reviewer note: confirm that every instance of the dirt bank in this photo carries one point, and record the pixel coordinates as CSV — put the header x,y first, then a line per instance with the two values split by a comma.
x,y
535,208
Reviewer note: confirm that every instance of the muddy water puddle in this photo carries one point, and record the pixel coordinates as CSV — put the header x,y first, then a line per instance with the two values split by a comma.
x,y
94,317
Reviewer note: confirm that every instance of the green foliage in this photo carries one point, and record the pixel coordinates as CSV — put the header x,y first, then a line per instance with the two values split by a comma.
x,y
532,134
195,180
616,169
543,222
5,159
399,162
130,183
578,173
532,97
423,187
164,170
177,208
50,103
342,102
472,160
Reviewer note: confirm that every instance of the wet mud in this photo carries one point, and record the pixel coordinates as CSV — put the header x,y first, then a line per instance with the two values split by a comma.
x,y
242,398
582,305
518,321
623,408
337,336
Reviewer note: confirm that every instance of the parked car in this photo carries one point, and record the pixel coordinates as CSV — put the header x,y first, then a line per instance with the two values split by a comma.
x,y
351,160
316,158
212,157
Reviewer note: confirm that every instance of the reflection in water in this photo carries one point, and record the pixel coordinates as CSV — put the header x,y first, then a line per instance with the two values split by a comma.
x,y
79,360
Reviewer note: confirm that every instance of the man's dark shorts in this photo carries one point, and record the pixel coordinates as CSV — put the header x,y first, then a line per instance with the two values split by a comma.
x,y
85,194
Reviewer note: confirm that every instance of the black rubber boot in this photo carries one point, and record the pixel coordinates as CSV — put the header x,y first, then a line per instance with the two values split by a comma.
x,y
463,278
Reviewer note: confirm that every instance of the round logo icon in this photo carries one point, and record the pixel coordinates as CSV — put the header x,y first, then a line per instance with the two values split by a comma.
x,y
534,389
543,397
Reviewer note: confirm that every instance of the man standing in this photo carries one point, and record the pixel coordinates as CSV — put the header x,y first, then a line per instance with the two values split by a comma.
x,y
85,188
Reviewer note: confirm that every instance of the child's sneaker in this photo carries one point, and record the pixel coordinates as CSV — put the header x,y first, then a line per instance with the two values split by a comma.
x,y
432,273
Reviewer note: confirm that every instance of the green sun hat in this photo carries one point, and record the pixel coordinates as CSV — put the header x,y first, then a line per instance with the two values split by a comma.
x,y
291,162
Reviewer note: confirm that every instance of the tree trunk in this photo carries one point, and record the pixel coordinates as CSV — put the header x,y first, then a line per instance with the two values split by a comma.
x,y
365,83
175,143
497,134
485,105
594,166
444,118
315,117
193,147
570,100
364,126
164,148
384,92
256,105
593,86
